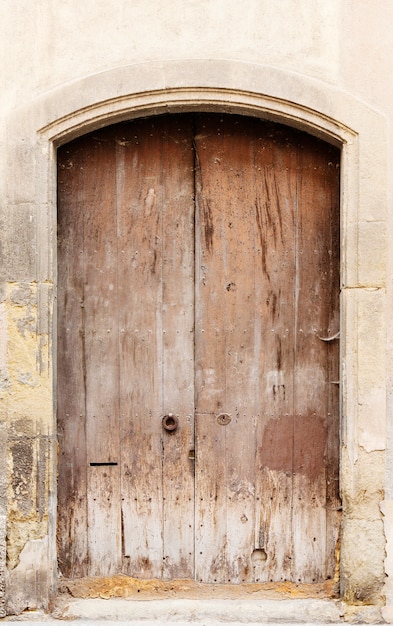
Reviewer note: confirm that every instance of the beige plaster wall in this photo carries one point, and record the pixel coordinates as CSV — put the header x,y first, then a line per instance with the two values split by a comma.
x,y
329,57
59,41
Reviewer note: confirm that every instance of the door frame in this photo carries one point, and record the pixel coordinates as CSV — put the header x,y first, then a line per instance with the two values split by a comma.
x,y
320,109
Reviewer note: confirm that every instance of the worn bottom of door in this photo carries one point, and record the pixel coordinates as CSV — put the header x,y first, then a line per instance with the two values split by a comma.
x,y
123,586
198,305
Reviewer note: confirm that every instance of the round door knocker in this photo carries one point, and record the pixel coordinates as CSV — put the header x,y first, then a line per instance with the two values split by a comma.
x,y
170,422
223,419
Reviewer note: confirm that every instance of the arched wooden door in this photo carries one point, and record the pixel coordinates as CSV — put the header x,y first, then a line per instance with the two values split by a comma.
x,y
198,263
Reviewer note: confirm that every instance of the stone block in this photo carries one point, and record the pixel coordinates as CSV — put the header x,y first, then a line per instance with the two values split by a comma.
x,y
364,258
364,353
362,484
27,584
372,254
371,341
362,561
387,510
29,379
18,251
373,179
21,168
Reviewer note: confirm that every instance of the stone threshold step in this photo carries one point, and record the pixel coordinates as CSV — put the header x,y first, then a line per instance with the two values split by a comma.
x,y
209,612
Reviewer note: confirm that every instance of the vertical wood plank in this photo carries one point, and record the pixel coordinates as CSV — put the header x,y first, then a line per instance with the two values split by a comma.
x,y
71,415
331,189
101,354
211,562
210,501
240,323
140,265
243,341
275,190
178,347
316,319
156,243
104,531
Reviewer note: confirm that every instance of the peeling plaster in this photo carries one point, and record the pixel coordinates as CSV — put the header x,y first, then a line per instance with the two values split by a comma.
x,y
28,414
22,295
20,530
27,379
387,510
28,491
4,379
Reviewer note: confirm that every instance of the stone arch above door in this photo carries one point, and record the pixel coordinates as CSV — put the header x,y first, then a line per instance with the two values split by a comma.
x,y
36,128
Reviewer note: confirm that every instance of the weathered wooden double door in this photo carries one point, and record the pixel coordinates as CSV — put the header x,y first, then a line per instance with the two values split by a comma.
x,y
198,304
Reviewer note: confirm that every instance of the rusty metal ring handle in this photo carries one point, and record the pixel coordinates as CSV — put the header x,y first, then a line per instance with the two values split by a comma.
x,y
170,422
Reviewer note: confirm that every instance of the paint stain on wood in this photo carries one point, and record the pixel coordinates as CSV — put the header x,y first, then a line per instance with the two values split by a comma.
x,y
295,444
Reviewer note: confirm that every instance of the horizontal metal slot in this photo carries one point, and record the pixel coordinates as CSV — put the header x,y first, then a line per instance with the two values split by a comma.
x,y
102,464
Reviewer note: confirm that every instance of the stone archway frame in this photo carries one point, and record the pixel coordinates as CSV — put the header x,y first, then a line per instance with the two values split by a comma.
x,y
36,129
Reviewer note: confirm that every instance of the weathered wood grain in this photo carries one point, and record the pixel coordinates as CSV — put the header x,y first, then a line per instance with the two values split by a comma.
x,y
155,204
199,277
101,356
71,409
140,265
316,401
178,348
225,346
275,200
